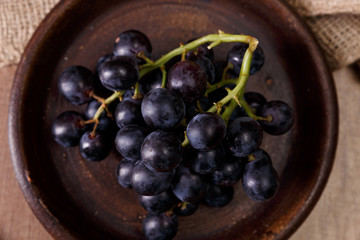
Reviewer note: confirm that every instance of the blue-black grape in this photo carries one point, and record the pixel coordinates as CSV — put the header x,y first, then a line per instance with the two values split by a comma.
x,y
124,172
158,203
187,185
160,226
282,117
206,161
151,80
130,43
229,172
162,108
188,80
244,135
147,182
119,73
206,64
128,112
68,128
128,141
76,84
161,151
236,56
260,181
206,131
94,147
218,196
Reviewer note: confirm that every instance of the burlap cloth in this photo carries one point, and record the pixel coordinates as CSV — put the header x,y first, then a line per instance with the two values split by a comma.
x,y
336,24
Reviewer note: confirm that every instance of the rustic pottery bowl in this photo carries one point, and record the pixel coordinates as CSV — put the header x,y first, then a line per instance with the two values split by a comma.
x,y
76,199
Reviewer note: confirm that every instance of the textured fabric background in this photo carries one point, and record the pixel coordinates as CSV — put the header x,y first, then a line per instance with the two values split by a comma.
x,y
336,24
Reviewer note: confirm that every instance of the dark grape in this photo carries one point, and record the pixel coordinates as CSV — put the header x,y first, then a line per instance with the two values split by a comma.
x,y
94,147
105,122
185,208
236,55
206,131
119,73
282,117
255,100
147,182
187,185
130,43
188,80
128,141
151,80
218,196
76,83
160,226
162,108
161,151
206,161
229,172
260,180
124,172
244,135
100,62
128,112
68,128
158,203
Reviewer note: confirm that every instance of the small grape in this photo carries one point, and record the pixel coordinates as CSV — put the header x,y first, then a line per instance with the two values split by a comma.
x,y
128,112
94,147
105,122
229,172
188,80
260,180
218,196
76,84
282,117
158,203
124,172
206,131
130,43
119,73
68,128
160,226
206,161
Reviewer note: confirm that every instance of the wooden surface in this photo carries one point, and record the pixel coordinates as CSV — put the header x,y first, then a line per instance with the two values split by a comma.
x,y
336,215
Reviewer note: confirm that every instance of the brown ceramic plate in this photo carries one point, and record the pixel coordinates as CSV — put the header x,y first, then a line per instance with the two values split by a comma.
x,y
76,199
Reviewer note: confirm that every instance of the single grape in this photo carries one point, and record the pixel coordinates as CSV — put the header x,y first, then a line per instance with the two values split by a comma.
x,y
128,141
282,117
161,151
76,84
260,180
105,122
229,172
94,147
100,62
119,73
207,161
158,203
206,131
162,108
187,185
147,182
132,42
151,80
160,226
128,112
255,100
244,135
124,172
236,55
188,80
68,128
218,196
185,208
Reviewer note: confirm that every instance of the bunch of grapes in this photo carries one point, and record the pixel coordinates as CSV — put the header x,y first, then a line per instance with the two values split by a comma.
x,y
187,132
